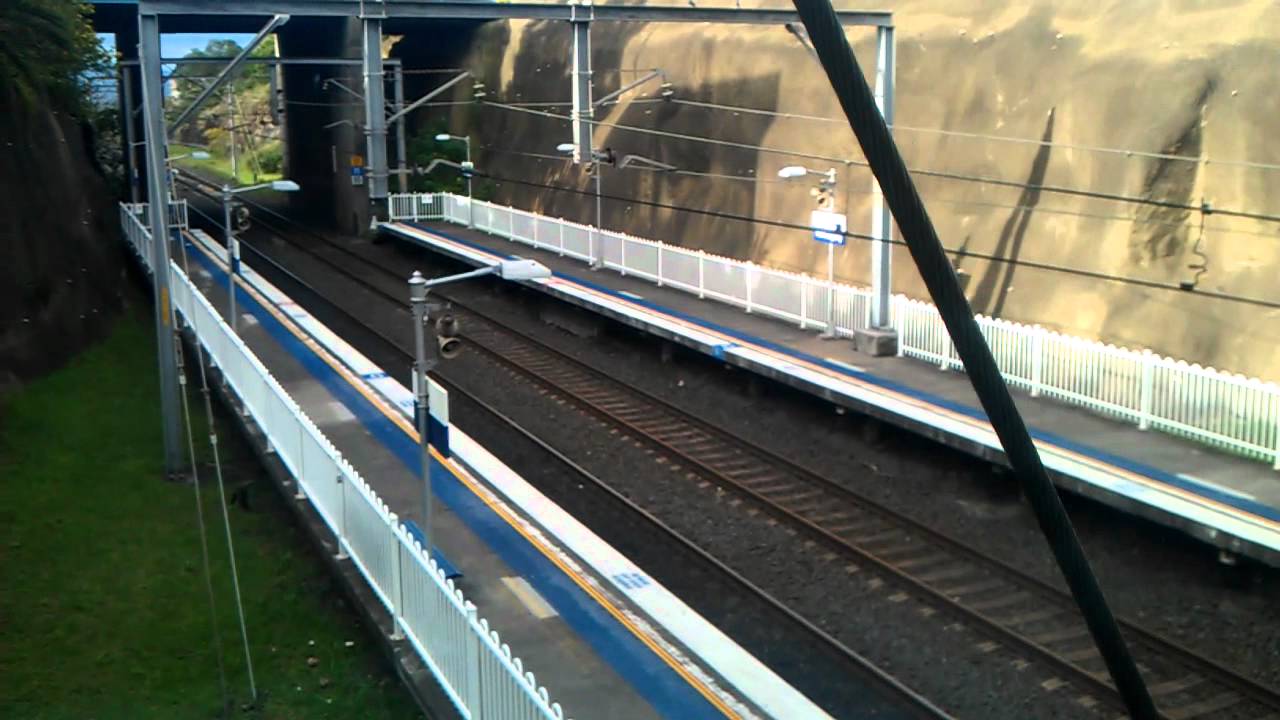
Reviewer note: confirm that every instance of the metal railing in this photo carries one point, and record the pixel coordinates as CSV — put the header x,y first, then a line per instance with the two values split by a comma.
x,y
1221,409
177,213
477,671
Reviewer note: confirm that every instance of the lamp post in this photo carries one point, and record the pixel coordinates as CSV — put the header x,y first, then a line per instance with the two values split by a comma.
x,y
823,193
597,157
466,140
233,245
427,356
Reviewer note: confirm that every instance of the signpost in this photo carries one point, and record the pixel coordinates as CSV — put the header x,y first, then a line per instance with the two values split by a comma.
x,y
828,228
357,170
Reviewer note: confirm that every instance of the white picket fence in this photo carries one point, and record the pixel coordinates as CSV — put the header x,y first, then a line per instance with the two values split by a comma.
x,y
1221,409
476,669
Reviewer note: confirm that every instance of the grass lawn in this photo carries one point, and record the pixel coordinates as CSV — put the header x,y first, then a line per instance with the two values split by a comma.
x,y
103,607
219,166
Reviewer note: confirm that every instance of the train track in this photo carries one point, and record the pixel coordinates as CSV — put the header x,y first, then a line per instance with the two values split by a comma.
x,y
712,575
1033,619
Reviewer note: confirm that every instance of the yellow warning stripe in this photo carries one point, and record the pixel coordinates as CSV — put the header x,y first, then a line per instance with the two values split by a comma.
x,y
470,483
1100,465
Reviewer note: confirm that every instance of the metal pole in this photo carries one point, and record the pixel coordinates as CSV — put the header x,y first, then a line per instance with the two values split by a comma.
x,y
418,300
471,200
881,221
233,256
375,112
153,117
231,131
831,290
402,177
597,253
583,110
131,159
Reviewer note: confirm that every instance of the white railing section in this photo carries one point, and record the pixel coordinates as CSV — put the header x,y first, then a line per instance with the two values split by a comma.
x,y
177,213
1222,409
476,669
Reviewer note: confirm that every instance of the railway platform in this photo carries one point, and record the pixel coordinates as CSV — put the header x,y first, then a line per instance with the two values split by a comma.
x,y
603,638
1229,502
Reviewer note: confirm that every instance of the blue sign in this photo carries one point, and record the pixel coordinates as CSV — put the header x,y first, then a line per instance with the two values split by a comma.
x,y
828,227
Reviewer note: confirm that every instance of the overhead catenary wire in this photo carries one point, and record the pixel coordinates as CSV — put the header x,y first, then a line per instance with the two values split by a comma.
x,y
863,191
1055,189
1048,267
1125,152
858,103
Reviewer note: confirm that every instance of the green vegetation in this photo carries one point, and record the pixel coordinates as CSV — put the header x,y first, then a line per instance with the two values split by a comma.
x,y
423,148
218,167
103,608
239,115
47,47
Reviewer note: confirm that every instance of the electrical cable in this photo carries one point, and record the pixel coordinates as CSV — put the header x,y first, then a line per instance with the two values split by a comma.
x,y
1035,265
1055,189
200,524
858,103
222,497
947,201
979,136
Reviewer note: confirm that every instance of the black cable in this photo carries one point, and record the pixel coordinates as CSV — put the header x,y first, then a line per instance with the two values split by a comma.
x,y
856,100
1047,267
1055,189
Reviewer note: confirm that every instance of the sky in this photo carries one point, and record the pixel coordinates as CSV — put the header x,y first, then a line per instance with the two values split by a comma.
x,y
179,44
171,46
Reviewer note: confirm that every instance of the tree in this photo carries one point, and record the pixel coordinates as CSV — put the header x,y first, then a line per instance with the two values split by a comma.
x,y
46,47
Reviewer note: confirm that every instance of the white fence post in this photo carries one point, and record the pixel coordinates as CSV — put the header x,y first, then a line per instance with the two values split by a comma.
x,y
622,254
1275,423
702,256
415,199
342,518
475,689
804,302
1037,360
945,363
747,276
560,224
896,303
397,582
660,246
1144,401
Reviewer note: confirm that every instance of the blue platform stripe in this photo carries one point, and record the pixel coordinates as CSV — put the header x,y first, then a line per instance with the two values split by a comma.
x,y
1138,468
657,682
451,572
374,375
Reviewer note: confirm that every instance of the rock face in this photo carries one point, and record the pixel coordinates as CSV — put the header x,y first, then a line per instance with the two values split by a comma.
x,y
61,260
1027,94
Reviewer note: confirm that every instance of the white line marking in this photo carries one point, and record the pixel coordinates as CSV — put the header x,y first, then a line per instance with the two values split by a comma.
x,y
845,365
1216,486
529,597
631,295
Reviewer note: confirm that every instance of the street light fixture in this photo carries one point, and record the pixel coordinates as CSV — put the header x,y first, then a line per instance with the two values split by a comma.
x,y
193,155
515,269
466,140
598,158
233,245
825,200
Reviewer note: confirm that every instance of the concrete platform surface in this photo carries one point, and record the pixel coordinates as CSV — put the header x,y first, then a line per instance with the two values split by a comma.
x,y
1227,501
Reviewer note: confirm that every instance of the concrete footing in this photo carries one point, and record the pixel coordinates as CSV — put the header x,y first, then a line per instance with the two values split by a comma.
x,y
877,342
